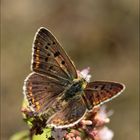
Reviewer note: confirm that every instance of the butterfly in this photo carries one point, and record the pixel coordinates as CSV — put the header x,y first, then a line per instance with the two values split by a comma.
x,y
56,90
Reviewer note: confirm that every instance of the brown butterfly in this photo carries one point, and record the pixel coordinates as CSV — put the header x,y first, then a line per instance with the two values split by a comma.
x,y
56,90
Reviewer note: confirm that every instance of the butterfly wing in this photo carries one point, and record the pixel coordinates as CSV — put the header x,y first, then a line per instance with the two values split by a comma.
x,y
53,71
49,58
42,91
71,113
99,92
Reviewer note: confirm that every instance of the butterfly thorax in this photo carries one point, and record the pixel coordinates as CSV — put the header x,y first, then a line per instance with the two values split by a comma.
x,y
75,88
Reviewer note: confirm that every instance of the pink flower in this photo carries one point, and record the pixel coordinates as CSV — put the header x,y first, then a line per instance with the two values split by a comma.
x,y
105,133
85,74
102,116
73,135
102,134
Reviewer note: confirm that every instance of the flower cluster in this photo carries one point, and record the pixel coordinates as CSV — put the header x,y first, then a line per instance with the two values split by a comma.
x,y
91,127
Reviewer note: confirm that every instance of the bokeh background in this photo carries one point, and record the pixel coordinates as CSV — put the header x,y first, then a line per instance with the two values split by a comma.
x,y
102,34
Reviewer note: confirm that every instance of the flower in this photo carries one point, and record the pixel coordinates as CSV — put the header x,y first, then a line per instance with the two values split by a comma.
x,y
73,135
91,127
85,74
105,133
58,134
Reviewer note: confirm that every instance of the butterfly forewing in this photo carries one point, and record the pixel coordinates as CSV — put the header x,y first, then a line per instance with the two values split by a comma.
x,y
99,92
49,58
53,71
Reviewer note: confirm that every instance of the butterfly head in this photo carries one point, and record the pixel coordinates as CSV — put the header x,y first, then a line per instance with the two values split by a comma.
x,y
79,83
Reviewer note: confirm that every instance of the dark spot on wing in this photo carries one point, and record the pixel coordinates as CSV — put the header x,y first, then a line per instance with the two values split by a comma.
x,y
34,64
96,87
49,54
46,59
56,54
63,62
53,43
102,87
50,67
97,96
35,47
46,47
48,44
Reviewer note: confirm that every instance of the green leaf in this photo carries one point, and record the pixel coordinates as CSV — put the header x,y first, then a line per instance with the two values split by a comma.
x,y
24,135
44,136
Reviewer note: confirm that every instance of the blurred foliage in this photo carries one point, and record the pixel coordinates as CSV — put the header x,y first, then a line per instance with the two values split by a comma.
x,y
24,135
100,34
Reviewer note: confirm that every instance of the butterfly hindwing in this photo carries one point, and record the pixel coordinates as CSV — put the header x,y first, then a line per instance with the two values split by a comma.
x,y
71,113
42,91
49,57
99,92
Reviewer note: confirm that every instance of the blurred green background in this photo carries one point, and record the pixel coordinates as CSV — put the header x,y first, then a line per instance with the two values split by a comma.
x,y
102,34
